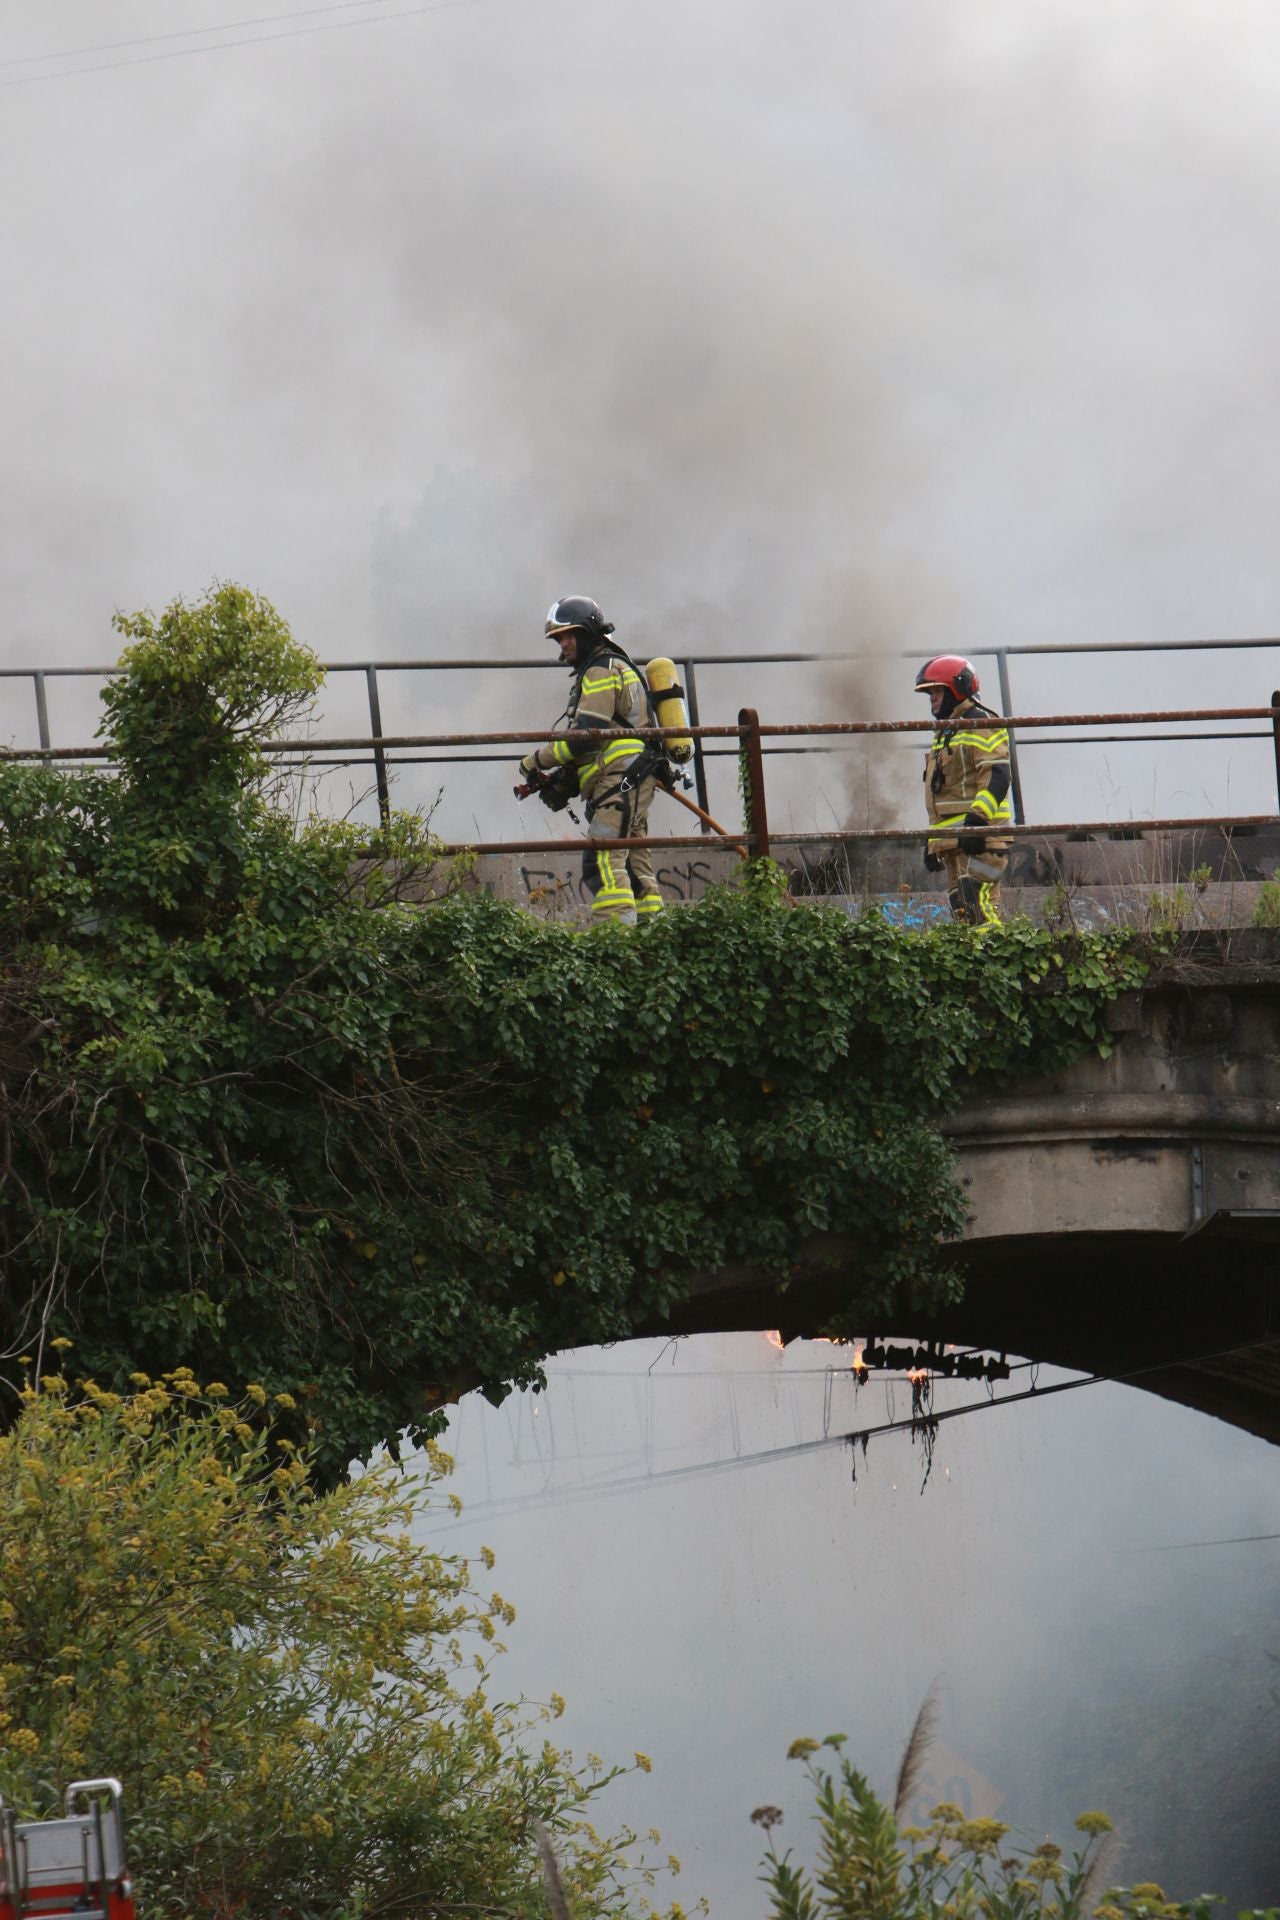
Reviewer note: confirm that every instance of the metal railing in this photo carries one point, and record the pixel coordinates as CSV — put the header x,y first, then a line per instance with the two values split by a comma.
x,y
749,735
381,752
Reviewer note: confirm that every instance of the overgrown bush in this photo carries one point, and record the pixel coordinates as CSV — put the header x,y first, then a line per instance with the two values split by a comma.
x,y
267,1113
1266,908
294,1693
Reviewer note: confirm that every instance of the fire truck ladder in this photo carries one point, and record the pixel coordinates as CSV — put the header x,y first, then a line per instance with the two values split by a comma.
x,y
71,1866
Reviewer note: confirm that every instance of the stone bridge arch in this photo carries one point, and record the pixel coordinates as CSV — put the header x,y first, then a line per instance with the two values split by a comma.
x,y
1125,1212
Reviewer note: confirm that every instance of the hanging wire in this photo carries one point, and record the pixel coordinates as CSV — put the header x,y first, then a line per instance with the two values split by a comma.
x,y
706,1469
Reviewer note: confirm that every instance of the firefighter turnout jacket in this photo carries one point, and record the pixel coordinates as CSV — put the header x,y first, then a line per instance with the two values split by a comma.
x,y
607,692
967,772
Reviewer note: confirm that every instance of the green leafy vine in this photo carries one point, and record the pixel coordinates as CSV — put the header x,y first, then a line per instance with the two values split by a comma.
x,y
275,1110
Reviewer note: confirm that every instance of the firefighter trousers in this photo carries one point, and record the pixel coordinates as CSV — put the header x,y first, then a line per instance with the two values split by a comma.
x,y
973,886
622,886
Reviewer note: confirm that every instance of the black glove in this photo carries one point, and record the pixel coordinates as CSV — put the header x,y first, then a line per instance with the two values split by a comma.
x,y
530,778
933,862
973,842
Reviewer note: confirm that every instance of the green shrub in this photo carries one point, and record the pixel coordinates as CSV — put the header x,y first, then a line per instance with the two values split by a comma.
x,y
954,1868
295,1695
1266,910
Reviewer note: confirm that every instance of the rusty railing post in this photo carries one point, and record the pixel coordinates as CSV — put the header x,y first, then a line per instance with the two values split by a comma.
x,y
379,751
699,759
1006,706
1275,735
42,709
753,765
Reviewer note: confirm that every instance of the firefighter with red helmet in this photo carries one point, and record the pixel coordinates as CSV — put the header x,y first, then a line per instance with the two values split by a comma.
x,y
966,790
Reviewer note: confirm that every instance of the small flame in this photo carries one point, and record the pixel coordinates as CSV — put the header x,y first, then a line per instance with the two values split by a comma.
x,y
858,1363
774,1338
916,1374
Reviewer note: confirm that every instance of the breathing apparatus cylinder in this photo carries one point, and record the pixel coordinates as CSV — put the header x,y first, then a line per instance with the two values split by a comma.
x,y
668,703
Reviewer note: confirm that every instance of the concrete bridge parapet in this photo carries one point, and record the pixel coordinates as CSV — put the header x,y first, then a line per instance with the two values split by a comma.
x,y
1193,879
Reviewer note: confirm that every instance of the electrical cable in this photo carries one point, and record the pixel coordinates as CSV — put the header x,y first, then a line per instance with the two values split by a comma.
x,y
1185,1546
705,1469
919,1422
187,33
251,40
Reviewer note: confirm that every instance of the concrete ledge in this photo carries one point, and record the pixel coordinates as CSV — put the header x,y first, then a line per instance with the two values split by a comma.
x,y
1104,1114
1197,880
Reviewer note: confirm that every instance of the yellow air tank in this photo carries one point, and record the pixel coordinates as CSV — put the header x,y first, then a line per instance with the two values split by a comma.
x,y
668,703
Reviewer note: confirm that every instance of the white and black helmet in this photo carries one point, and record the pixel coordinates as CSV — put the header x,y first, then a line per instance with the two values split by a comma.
x,y
577,613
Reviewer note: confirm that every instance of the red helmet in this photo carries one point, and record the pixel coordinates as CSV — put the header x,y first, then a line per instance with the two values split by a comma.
x,y
950,670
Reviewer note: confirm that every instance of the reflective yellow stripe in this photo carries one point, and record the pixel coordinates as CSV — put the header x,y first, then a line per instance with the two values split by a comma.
x,y
614,889
614,880
954,821
985,803
561,752
616,750
610,682
985,742
649,903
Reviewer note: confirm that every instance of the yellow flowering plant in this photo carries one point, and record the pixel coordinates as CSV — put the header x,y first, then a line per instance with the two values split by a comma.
x,y
871,1866
294,1691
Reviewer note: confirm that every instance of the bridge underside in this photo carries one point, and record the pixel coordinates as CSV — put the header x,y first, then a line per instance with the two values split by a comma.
x,y
1193,1318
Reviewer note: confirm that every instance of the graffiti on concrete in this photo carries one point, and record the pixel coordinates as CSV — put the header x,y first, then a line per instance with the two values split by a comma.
x,y
552,886
685,881
553,889
909,909
558,887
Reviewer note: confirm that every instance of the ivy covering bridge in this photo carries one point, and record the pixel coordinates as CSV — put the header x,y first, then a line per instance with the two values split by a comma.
x,y
282,1103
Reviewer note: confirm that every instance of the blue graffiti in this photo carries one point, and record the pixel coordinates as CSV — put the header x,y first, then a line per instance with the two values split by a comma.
x,y
914,910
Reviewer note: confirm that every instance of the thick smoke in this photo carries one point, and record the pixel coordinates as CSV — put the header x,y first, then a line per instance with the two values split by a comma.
x,y
771,327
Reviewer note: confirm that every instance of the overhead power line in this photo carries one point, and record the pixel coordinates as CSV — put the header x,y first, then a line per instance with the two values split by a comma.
x,y
1185,1546
187,33
917,1423
219,46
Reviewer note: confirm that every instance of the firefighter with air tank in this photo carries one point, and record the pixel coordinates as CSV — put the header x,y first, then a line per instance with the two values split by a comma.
x,y
966,790
618,774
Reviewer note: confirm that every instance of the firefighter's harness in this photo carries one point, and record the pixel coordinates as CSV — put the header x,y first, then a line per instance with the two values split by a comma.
x,y
71,1866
